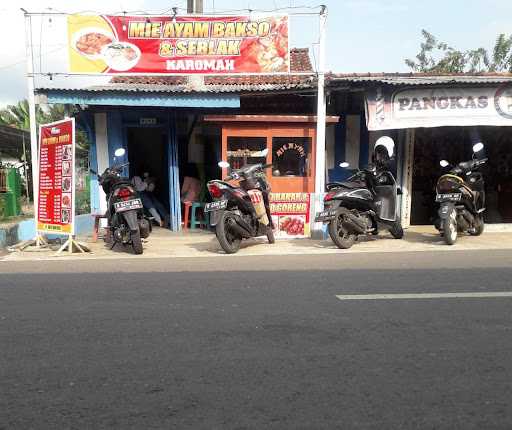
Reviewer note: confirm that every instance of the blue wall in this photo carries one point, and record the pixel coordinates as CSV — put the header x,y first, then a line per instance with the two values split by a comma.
x,y
25,230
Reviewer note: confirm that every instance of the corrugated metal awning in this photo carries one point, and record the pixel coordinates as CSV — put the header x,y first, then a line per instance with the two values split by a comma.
x,y
422,79
138,98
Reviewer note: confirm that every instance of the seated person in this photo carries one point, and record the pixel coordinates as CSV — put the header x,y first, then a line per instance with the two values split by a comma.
x,y
191,188
145,187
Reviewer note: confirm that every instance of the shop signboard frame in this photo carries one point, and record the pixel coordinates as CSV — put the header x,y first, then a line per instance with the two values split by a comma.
x,y
438,106
56,179
143,45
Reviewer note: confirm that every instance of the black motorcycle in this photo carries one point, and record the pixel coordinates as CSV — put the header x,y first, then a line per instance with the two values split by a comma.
x,y
241,212
364,203
125,217
461,197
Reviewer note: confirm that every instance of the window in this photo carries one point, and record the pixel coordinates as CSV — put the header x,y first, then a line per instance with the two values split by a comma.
x,y
246,150
290,156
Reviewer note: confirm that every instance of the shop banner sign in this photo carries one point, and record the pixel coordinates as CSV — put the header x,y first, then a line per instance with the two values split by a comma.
x,y
160,45
56,199
290,214
438,107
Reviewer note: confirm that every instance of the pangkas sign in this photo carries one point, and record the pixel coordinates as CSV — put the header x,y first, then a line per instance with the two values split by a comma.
x,y
439,107
180,45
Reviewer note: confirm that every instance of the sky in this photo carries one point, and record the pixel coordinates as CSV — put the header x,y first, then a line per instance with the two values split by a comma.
x,y
362,35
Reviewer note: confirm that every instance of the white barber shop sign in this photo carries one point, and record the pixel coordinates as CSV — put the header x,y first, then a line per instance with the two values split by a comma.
x,y
437,107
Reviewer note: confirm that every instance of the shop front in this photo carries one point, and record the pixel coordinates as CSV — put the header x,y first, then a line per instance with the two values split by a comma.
x,y
441,118
177,127
288,142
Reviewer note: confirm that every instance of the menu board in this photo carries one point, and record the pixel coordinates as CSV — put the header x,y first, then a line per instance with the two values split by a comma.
x,y
290,214
56,200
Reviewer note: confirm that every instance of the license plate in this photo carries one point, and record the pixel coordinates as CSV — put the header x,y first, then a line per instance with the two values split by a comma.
x,y
325,216
455,197
128,205
216,206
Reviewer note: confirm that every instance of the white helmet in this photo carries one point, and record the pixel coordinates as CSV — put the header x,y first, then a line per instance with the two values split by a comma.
x,y
387,143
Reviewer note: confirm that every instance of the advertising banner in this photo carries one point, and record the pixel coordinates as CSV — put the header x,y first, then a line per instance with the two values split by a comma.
x,y
105,44
290,214
56,209
438,107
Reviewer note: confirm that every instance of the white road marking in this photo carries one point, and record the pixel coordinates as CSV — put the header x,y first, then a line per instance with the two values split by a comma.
x,y
462,295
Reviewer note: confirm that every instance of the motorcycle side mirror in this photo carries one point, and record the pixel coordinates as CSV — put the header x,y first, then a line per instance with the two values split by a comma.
x,y
444,163
477,147
119,152
344,164
223,164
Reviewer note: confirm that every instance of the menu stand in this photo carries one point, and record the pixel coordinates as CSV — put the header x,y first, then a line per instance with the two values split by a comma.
x,y
71,245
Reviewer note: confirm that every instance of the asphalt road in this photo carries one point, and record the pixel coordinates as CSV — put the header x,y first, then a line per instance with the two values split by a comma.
x,y
252,343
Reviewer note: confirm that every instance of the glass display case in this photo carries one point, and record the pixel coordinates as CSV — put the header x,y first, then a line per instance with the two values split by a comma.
x,y
243,150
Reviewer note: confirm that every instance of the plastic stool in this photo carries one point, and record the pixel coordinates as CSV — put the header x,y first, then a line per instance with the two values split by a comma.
x,y
189,215
186,214
194,221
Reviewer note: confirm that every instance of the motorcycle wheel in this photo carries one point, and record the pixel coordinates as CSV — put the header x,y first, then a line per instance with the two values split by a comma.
x,y
229,241
397,231
136,242
479,228
339,235
449,230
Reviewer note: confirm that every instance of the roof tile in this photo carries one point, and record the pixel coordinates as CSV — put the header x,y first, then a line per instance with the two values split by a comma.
x,y
299,63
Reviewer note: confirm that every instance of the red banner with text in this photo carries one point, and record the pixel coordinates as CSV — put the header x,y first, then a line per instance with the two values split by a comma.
x,y
290,214
105,44
56,200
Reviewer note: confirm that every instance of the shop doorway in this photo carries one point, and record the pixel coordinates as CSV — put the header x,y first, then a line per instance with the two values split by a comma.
x,y
148,150
454,144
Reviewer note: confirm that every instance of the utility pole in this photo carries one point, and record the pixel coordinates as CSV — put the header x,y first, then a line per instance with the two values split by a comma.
x,y
321,108
195,6
38,240
32,109
317,228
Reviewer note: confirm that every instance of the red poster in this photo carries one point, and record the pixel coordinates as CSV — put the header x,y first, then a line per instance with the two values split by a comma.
x,y
104,44
290,214
56,200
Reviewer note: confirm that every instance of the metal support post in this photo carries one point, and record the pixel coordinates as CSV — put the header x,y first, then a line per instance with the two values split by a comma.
x,y
320,119
38,240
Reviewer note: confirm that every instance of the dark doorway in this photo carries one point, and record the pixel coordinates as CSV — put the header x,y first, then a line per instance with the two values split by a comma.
x,y
454,144
148,151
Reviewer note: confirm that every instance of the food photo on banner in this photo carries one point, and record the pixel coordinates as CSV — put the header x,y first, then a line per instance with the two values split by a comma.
x,y
290,214
56,177
106,44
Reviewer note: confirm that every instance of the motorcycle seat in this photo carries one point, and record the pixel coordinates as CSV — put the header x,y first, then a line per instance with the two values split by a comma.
x,y
352,185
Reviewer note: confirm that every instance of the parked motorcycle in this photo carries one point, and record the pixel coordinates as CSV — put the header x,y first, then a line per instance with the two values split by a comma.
x,y
241,212
364,203
125,216
461,197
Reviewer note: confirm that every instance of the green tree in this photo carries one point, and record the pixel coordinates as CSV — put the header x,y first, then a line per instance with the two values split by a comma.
x,y
439,57
18,115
